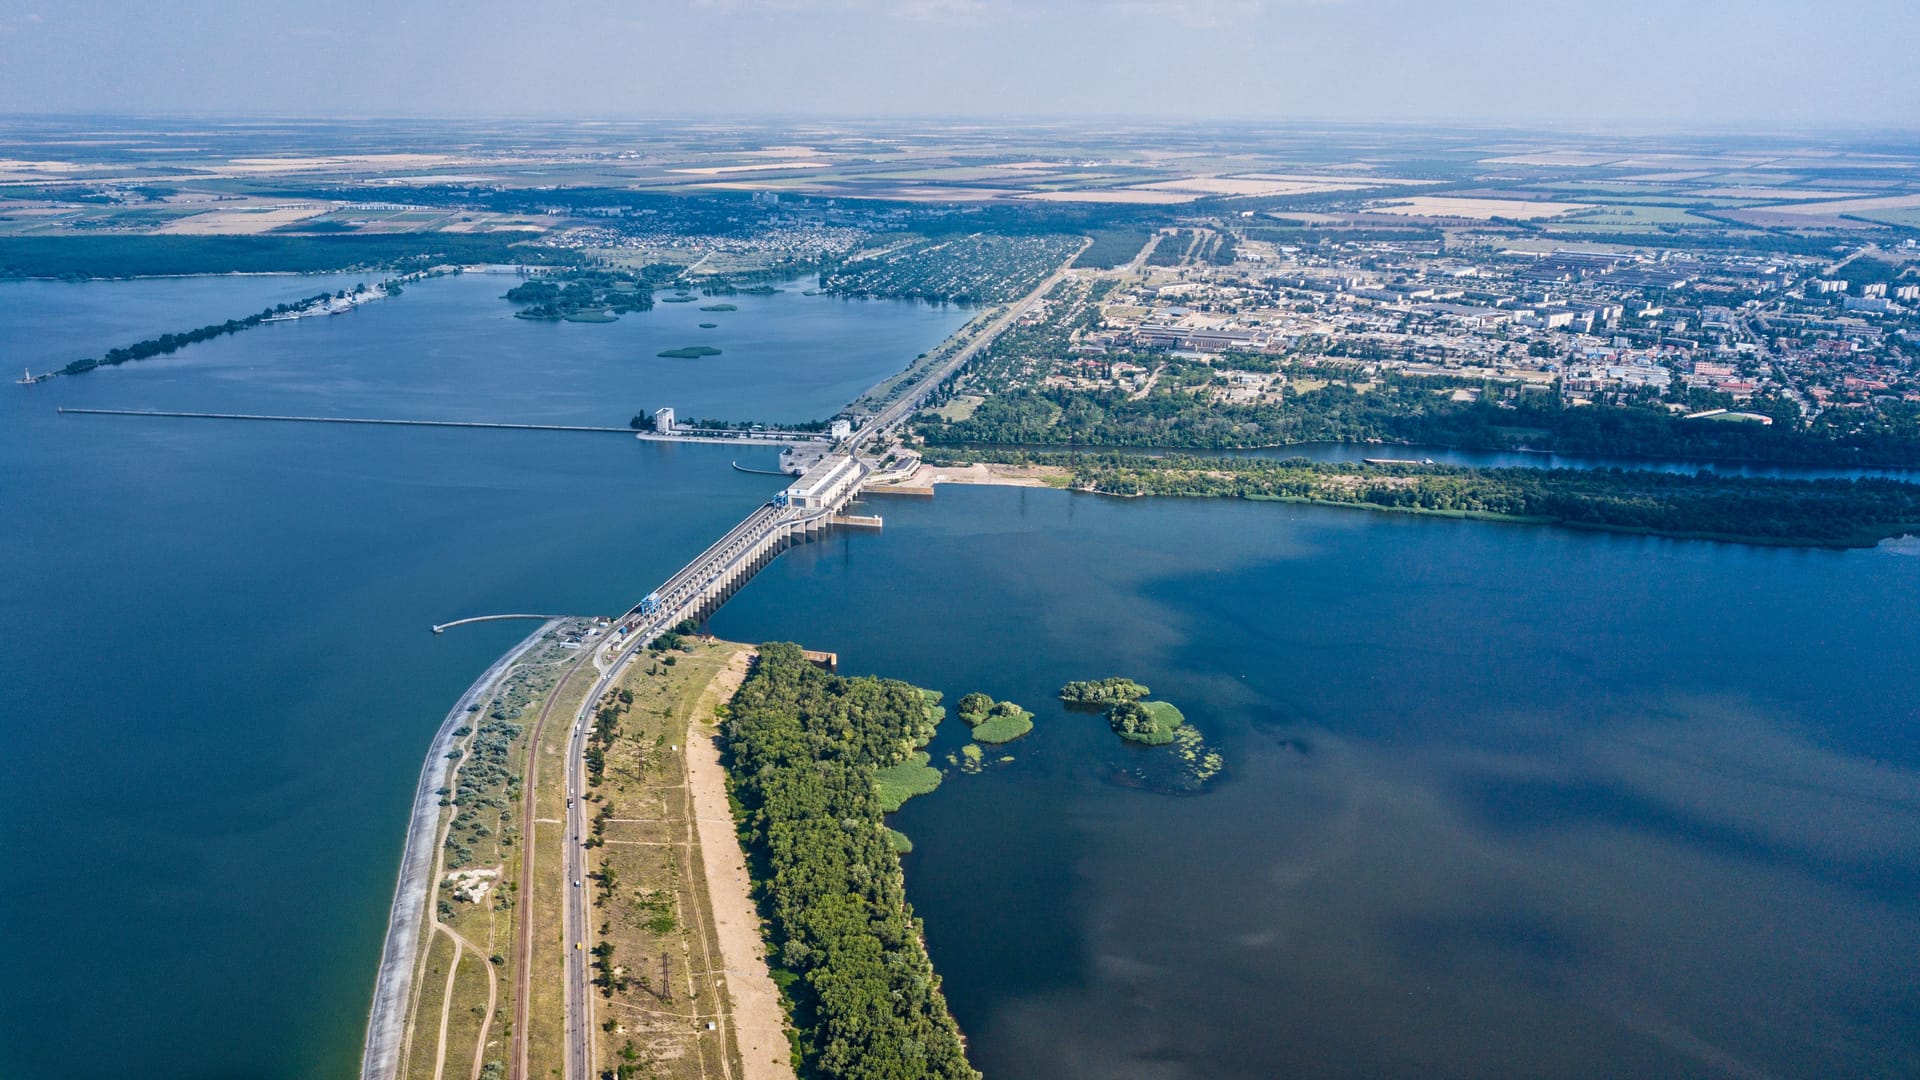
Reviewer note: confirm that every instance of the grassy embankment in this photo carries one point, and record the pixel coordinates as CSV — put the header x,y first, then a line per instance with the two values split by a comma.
x,y
1835,513
479,831
429,1006
650,890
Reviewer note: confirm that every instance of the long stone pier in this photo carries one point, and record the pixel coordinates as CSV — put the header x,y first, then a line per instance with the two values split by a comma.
x,y
345,420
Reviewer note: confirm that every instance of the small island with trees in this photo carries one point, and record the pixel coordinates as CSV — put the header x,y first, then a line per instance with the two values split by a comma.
x,y
1149,724
1100,693
582,295
992,722
690,352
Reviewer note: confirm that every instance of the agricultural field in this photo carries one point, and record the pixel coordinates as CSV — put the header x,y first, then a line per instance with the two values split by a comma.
x,y
1483,209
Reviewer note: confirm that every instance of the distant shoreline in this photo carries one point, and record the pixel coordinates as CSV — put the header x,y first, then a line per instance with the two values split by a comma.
x,y
1060,477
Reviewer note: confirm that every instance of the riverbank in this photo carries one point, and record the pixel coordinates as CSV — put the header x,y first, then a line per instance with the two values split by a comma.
x,y
759,1021
1773,512
803,747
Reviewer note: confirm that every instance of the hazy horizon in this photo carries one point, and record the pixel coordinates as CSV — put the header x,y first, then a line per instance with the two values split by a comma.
x,y
1782,66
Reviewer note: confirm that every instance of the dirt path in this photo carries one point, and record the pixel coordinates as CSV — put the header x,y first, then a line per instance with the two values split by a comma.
x,y
759,1022
524,902
446,1005
493,998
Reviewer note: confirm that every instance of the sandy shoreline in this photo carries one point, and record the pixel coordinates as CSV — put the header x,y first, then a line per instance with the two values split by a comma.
x,y
924,477
759,1022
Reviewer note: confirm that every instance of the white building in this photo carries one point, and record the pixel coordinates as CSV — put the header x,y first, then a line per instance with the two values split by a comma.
x,y
824,484
663,421
840,429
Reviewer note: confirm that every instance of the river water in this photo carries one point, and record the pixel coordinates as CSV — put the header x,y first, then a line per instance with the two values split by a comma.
x,y
1500,800
218,679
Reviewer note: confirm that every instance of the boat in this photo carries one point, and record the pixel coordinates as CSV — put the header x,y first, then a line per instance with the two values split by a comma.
x,y
1398,461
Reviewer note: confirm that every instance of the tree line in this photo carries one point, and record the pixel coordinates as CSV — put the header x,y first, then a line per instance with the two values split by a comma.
x,y
167,343
803,747
1418,410
1762,510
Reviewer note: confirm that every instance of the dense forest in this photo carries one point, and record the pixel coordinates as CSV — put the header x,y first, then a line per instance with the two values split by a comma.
x,y
803,747
1113,247
1411,409
127,256
1817,513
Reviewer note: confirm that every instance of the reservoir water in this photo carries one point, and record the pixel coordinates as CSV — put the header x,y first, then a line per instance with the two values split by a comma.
x,y
1500,800
218,678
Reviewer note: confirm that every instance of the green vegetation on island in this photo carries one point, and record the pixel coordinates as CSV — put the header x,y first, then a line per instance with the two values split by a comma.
x,y
579,295
1102,692
1149,723
1832,512
690,352
167,343
992,722
803,748
708,325
719,307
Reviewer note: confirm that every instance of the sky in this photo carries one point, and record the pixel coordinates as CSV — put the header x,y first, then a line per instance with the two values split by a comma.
x,y
1627,65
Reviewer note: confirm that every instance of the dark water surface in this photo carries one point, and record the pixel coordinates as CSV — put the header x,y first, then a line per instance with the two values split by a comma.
x,y
218,680
1501,800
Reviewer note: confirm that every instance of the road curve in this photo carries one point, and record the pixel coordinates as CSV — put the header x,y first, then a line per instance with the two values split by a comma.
x,y
393,986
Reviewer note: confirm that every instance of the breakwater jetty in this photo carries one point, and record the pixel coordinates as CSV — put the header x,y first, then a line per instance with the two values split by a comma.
x,y
441,628
386,421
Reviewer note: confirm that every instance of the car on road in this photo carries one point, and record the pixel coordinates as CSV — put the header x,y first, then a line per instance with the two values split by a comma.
x,y
576,883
